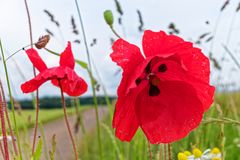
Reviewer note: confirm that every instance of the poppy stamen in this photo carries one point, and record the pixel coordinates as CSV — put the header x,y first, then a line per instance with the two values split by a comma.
x,y
153,79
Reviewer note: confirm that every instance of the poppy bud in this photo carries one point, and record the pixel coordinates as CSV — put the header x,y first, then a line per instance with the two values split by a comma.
x,y
108,16
42,41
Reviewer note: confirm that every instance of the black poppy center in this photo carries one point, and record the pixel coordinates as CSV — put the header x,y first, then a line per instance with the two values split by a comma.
x,y
151,77
162,68
138,81
153,91
154,82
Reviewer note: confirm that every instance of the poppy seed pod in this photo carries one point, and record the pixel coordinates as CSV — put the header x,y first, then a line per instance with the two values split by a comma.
x,y
42,42
108,16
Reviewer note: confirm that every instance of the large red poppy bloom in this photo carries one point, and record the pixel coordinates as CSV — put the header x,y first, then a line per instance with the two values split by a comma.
x,y
64,74
165,93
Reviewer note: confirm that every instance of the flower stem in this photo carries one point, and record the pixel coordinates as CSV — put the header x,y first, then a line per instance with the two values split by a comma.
x,y
11,102
4,132
160,152
67,122
2,151
149,151
84,34
36,123
169,151
114,32
45,148
222,120
215,32
92,81
23,48
34,72
8,120
107,100
77,105
165,152
232,56
29,23
97,119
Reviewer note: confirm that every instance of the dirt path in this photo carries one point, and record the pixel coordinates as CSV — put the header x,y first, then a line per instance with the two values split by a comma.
x,y
58,127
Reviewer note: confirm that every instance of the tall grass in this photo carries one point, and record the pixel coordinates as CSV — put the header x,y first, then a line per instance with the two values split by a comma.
x,y
208,135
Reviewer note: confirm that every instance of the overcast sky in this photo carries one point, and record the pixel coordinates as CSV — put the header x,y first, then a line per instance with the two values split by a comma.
x,y
188,15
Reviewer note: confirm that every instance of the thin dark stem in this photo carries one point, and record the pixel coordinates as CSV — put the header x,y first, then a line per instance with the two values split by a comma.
x,y
92,81
34,72
215,32
79,118
109,105
29,23
232,56
116,34
8,120
96,113
17,52
165,152
45,147
11,102
36,123
229,34
77,104
230,28
84,35
169,151
222,120
2,151
67,122
149,151
160,152
4,132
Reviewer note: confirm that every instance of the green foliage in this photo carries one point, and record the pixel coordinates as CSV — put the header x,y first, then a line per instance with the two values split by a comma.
x,y
54,144
17,158
113,140
55,102
207,135
81,63
26,117
38,152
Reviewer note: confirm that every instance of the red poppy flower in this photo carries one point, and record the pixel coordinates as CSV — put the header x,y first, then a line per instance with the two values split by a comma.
x,y
71,83
165,93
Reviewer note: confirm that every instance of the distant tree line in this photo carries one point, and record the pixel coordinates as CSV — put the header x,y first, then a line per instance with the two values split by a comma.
x,y
55,102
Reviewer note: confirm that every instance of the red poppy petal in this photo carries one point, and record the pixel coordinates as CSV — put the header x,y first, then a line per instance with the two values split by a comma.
x,y
129,57
126,55
171,115
47,74
197,64
66,57
161,44
36,59
125,121
33,84
72,84
175,72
